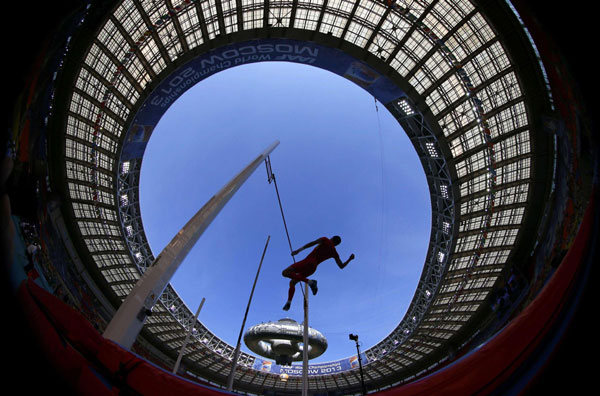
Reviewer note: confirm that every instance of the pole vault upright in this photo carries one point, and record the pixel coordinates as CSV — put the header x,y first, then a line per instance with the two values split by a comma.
x,y
271,178
305,345
129,318
236,354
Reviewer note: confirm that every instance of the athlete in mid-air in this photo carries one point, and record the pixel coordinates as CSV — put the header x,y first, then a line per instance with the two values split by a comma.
x,y
298,272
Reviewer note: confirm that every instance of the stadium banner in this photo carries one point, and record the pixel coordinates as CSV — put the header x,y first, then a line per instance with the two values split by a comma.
x,y
260,50
313,369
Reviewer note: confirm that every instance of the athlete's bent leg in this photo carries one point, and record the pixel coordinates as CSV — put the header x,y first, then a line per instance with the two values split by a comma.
x,y
298,272
291,292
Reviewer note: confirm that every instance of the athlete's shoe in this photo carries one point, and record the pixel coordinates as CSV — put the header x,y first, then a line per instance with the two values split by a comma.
x,y
313,286
287,306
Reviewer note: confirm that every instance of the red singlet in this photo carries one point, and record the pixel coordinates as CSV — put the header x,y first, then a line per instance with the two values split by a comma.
x,y
324,251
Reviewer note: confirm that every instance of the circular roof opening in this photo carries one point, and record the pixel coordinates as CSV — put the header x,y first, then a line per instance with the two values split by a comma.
x,y
344,166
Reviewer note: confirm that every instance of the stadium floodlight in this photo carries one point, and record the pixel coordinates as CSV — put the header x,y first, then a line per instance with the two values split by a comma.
x,y
405,107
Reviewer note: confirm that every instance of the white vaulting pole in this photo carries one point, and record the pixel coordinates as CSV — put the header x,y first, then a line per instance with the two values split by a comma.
x,y
129,318
305,345
236,355
187,337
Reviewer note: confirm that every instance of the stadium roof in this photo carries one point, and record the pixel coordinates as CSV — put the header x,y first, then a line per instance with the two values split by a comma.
x,y
468,88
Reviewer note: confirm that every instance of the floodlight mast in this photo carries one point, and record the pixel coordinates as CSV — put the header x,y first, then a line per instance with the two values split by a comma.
x,y
354,338
129,318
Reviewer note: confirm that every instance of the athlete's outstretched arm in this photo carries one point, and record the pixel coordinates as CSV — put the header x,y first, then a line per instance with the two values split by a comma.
x,y
342,265
313,243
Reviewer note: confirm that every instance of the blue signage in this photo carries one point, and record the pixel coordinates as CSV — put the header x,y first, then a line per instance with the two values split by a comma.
x,y
263,50
313,369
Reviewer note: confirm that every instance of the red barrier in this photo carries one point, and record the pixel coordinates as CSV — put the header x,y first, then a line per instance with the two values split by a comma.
x,y
86,361
54,325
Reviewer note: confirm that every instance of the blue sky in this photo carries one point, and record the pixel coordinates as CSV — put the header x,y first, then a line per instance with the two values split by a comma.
x,y
342,169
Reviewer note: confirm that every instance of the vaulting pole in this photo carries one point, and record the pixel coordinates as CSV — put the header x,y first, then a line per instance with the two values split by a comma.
x,y
305,345
236,355
129,318
187,337
271,178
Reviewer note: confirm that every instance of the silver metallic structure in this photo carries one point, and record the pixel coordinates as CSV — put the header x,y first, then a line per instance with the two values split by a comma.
x,y
475,93
281,341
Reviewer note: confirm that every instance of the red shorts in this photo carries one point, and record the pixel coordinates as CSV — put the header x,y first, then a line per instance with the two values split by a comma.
x,y
305,267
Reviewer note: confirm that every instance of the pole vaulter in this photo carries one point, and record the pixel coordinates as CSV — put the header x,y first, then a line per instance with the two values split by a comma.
x,y
298,272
